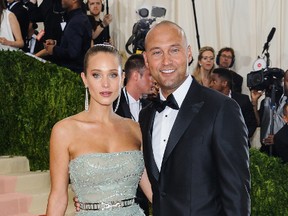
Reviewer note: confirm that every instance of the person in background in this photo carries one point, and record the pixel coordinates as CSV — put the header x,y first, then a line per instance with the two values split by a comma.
x,y
76,39
100,30
138,84
99,150
22,15
10,32
195,141
222,82
264,114
226,59
205,65
281,137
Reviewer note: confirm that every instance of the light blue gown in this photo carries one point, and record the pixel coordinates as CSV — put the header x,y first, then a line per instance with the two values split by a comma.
x,y
107,177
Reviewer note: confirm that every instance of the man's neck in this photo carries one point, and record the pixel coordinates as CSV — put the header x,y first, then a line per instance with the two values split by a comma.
x,y
133,92
226,91
97,17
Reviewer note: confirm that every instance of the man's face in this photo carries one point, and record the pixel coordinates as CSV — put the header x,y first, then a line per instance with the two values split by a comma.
x,y
66,4
95,7
145,83
217,83
167,56
225,59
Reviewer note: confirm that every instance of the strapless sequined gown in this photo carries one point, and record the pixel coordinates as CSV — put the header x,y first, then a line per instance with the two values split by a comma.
x,y
107,177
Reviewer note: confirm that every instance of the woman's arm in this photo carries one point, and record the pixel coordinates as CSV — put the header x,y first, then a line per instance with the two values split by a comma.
x,y
19,42
59,160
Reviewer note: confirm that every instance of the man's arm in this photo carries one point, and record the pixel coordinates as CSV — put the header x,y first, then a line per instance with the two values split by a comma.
x,y
231,151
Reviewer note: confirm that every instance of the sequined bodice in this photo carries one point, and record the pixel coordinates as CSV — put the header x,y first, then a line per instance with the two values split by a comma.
x,y
104,177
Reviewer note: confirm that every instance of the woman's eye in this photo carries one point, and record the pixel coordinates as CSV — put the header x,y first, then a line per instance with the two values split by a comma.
x,y
97,76
113,75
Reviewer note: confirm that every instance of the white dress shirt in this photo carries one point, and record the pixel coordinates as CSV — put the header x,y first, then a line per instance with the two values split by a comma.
x,y
135,106
164,122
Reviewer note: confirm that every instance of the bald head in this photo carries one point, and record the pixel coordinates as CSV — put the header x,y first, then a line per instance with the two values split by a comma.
x,y
163,26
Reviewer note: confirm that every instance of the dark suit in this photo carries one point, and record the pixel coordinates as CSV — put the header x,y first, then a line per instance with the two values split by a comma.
x,y
247,111
237,81
281,143
205,167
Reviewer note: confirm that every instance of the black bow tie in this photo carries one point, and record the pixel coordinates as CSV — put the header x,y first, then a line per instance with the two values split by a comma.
x,y
160,105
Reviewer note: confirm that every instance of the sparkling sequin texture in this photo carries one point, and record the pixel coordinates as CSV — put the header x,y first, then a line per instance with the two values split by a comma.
x,y
105,177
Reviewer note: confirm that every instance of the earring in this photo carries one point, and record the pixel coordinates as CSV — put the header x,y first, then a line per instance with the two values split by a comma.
x,y
118,102
86,99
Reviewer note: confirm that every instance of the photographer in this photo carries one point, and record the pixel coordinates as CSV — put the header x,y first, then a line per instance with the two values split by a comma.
x,y
265,112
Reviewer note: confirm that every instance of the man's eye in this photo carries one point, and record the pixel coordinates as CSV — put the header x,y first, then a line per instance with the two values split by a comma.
x,y
174,51
156,53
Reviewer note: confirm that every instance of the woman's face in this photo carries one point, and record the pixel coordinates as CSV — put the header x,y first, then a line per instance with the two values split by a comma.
x,y
207,60
103,78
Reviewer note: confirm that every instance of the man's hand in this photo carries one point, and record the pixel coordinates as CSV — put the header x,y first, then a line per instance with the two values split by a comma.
x,y
76,204
49,45
269,140
107,19
255,95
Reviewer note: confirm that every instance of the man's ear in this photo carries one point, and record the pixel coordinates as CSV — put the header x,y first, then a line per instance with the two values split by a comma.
x,y
145,59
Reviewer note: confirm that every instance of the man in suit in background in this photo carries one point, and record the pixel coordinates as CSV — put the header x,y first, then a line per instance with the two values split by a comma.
x,y
281,137
195,148
138,83
222,82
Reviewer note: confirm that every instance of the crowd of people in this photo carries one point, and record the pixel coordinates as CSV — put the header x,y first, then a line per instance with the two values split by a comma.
x,y
184,138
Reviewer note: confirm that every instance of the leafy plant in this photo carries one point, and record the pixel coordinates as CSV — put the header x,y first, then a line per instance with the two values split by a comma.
x,y
33,97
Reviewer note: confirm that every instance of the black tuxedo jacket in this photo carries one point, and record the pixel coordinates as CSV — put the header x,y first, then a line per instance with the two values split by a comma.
x,y
247,111
124,109
205,167
281,143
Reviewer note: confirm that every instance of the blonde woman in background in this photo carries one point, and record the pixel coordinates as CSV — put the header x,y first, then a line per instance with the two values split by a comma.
x,y
205,65
10,33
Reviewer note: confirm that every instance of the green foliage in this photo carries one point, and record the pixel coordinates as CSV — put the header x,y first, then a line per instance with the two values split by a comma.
x,y
33,97
269,185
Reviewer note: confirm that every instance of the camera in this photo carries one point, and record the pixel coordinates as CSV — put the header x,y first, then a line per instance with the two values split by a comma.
x,y
141,28
264,78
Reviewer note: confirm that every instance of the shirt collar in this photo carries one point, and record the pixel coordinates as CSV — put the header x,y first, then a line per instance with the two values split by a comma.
x,y
180,93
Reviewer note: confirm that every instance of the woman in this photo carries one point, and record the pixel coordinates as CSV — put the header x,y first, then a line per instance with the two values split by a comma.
x,y
10,33
205,66
99,149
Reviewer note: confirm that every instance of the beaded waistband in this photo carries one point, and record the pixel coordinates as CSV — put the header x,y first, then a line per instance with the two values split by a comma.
x,y
107,205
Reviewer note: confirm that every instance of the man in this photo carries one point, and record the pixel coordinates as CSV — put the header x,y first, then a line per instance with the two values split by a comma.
x,y
138,84
100,28
265,113
196,156
222,82
225,59
76,39
281,137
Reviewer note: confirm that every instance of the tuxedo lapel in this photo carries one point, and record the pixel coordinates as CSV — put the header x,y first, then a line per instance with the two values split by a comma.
x,y
147,139
188,110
